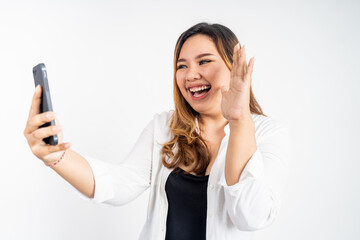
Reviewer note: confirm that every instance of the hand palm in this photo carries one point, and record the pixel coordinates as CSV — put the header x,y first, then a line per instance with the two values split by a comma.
x,y
235,100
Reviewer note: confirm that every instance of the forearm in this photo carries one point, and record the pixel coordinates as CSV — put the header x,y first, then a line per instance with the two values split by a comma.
x,y
76,170
241,146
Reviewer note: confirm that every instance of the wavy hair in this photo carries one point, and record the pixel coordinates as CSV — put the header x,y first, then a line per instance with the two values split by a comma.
x,y
187,146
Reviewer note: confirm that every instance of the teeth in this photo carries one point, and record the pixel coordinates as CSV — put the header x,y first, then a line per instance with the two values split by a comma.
x,y
199,88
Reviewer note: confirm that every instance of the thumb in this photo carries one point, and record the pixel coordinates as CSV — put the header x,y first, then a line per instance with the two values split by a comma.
x,y
224,90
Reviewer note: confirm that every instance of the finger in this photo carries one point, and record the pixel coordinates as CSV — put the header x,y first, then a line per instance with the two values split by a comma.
x,y
36,121
237,66
235,59
41,133
60,134
250,67
46,149
36,100
242,60
57,148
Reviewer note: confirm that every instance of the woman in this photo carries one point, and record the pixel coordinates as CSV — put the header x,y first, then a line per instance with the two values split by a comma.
x,y
215,165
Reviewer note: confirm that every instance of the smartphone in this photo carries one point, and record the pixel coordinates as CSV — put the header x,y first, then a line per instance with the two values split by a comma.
x,y
40,77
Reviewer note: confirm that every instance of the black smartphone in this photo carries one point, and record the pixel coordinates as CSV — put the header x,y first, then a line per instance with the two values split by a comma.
x,y
40,77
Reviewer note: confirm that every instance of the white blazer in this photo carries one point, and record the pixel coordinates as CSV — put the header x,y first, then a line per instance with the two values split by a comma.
x,y
233,212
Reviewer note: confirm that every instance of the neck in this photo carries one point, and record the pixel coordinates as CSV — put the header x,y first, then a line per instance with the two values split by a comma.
x,y
212,122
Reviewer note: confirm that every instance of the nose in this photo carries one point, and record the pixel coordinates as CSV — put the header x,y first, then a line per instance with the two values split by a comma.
x,y
192,74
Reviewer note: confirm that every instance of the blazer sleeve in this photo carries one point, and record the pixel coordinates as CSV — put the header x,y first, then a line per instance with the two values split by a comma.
x,y
119,183
254,202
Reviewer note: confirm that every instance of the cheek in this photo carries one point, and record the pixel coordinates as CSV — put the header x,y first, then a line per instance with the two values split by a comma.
x,y
220,76
180,82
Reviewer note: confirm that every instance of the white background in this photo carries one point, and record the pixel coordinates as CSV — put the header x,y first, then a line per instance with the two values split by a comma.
x,y
110,70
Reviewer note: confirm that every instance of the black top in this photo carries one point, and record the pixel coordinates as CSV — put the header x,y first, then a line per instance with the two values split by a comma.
x,y
187,198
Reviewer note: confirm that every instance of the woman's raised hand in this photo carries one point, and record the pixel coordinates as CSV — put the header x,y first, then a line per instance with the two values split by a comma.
x,y
236,99
34,135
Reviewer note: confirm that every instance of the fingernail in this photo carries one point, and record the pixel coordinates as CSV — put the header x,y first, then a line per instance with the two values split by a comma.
x,y
37,88
67,145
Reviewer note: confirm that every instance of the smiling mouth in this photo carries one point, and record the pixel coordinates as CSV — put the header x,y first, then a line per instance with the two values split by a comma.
x,y
201,89
200,93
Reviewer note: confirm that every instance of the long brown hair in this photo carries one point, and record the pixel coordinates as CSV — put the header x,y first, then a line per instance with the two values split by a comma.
x,y
187,146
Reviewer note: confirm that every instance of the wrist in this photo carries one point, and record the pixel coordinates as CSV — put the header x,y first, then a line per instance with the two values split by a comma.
x,y
245,120
57,161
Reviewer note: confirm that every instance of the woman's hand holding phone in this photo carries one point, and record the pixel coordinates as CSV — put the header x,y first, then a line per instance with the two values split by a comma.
x,y
35,135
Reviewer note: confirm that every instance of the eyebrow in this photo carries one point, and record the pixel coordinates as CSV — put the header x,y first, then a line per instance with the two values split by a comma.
x,y
197,57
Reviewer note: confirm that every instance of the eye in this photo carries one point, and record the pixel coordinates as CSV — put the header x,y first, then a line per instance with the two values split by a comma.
x,y
180,66
204,61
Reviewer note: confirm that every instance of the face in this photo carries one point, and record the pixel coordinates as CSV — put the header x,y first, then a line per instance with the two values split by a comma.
x,y
201,73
